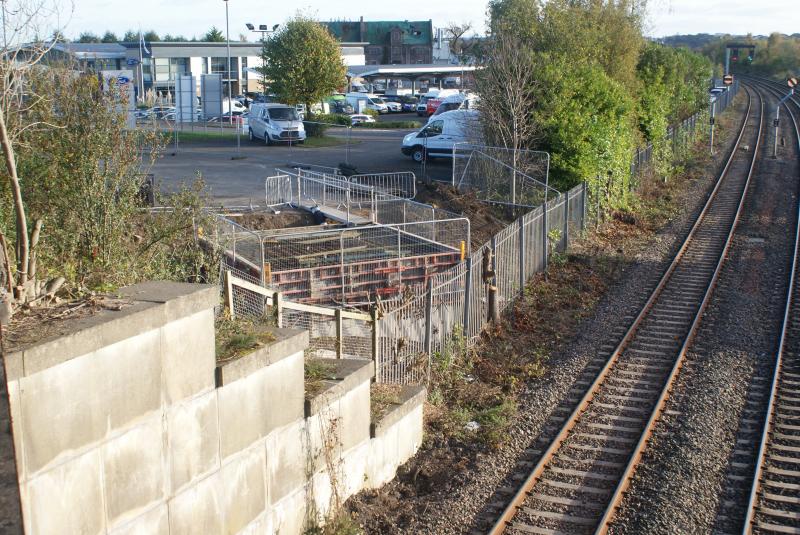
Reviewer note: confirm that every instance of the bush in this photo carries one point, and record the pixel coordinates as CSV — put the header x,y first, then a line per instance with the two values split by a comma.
x,y
314,129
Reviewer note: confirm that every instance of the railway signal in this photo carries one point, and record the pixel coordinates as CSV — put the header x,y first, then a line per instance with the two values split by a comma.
x,y
732,53
727,79
791,82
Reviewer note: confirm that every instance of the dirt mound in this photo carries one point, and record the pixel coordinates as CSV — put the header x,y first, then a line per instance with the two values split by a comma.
x,y
286,218
486,219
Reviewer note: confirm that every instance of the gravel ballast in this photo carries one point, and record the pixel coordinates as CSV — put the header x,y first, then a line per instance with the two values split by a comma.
x,y
462,502
696,471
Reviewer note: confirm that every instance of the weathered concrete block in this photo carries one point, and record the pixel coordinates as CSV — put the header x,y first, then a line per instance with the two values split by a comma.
x,y
197,509
14,401
153,522
67,499
354,469
193,439
287,342
354,414
287,460
259,526
78,402
255,405
133,472
289,514
243,489
189,360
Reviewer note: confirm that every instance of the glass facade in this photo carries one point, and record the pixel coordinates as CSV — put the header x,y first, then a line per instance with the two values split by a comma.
x,y
220,66
168,69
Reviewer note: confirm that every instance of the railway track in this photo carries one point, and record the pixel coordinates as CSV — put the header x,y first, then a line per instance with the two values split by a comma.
x,y
773,504
578,481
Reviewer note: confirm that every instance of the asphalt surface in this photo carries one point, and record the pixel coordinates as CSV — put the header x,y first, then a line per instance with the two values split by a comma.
x,y
236,179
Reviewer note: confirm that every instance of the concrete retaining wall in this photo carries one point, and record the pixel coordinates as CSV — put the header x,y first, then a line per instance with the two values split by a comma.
x,y
127,425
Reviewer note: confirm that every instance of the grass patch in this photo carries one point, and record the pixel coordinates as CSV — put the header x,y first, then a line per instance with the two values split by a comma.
x,y
324,141
236,337
316,373
342,523
392,124
382,398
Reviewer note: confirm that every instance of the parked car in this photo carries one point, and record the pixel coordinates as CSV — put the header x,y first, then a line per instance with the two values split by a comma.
x,y
436,139
408,102
359,118
275,123
393,103
459,101
159,112
368,102
341,106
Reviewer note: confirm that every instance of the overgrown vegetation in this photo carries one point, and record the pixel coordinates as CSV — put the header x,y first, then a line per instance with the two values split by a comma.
x,y
592,88
238,336
74,195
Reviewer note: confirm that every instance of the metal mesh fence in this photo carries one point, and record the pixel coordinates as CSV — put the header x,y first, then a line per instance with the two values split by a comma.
x,y
414,325
502,175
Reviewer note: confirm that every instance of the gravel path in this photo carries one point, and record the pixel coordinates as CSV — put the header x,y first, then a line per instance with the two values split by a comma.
x,y
461,505
684,484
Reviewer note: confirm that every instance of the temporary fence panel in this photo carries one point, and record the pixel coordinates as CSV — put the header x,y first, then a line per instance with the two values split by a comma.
x,y
502,175
401,184
278,190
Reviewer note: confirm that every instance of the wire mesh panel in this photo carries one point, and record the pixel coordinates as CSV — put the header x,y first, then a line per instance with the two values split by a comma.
x,y
401,184
278,190
502,175
402,358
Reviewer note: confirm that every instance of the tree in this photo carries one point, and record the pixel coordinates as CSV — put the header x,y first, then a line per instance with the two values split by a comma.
x,y
88,37
507,84
459,45
151,36
110,37
130,36
214,35
302,62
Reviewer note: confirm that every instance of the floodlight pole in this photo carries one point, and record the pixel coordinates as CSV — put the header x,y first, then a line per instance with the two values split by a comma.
x,y
230,90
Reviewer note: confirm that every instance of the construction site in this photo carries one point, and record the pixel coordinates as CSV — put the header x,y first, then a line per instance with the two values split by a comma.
x,y
382,267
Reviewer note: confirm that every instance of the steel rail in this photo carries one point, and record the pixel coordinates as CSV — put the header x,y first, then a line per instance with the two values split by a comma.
x,y
752,503
535,474
627,476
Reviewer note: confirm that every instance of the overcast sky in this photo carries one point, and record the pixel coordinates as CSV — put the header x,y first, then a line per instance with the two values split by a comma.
x,y
194,17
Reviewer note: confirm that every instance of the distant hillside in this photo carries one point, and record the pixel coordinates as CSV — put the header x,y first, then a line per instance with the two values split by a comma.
x,y
699,40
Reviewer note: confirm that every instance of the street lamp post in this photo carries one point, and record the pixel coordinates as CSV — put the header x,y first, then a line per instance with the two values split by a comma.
x,y
230,90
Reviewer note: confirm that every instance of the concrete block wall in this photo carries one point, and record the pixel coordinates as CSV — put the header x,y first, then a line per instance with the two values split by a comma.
x,y
127,425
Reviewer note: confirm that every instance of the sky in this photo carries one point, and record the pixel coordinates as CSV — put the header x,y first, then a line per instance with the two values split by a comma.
x,y
194,17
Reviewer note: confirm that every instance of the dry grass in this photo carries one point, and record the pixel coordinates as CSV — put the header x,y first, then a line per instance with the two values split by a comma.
x,y
236,337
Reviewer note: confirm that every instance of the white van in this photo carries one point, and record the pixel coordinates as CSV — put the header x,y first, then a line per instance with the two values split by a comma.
x,y
275,123
237,106
369,102
436,139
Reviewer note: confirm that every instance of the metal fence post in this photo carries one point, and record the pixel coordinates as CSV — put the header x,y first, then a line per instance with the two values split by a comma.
x,y
522,251
467,294
566,221
429,316
337,316
373,314
584,191
545,244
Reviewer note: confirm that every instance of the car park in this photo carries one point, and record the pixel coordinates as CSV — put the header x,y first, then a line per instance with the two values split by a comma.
x,y
275,123
437,138
360,118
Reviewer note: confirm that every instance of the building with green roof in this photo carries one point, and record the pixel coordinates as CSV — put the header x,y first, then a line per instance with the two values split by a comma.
x,y
388,42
